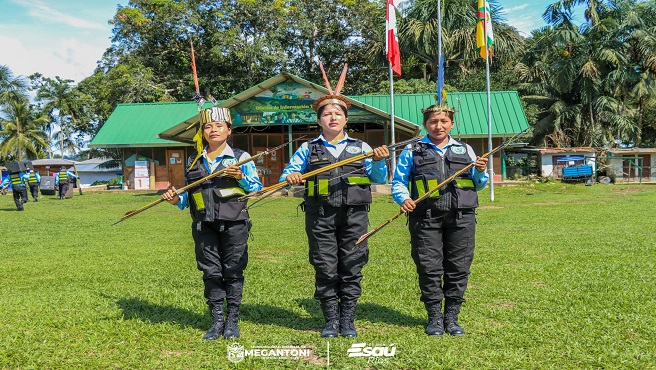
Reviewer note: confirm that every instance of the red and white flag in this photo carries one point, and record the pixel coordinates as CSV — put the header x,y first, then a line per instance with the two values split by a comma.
x,y
392,41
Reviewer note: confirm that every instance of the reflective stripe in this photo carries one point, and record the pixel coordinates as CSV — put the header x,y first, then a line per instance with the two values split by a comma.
x,y
421,189
231,192
358,180
465,183
310,188
15,179
32,179
323,186
63,176
198,199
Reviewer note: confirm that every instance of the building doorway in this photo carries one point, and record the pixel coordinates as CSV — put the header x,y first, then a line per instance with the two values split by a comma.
x,y
175,166
269,167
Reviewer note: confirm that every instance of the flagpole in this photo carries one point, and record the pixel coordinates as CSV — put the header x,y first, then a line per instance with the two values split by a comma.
x,y
439,50
490,164
393,138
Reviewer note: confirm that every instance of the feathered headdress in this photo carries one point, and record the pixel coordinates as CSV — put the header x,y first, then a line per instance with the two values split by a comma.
x,y
333,97
442,106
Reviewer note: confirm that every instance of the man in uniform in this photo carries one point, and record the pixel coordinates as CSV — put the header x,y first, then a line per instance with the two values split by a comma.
x,y
17,179
62,179
34,181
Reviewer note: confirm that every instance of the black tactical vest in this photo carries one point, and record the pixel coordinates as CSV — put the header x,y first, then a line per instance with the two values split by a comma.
x,y
63,176
16,179
429,169
32,180
353,188
216,198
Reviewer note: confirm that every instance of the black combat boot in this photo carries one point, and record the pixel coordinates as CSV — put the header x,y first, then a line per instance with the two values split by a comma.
x,y
435,319
216,330
331,314
451,311
347,318
232,322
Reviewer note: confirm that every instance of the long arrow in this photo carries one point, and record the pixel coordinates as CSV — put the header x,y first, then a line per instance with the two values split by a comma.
x,y
440,185
200,181
329,167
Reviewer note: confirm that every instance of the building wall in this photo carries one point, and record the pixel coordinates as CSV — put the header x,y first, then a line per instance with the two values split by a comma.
x,y
551,171
88,178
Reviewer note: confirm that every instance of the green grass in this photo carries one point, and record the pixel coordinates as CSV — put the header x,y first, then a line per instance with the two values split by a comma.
x,y
564,277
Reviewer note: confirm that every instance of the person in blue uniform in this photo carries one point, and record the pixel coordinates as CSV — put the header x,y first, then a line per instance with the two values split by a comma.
x,y
34,181
336,211
18,185
62,179
221,224
443,226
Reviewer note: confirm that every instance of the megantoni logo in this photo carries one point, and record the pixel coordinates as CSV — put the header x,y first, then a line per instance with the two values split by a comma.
x,y
361,350
235,352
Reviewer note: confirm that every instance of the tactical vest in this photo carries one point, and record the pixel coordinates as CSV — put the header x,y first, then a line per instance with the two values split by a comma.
x,y
353,188
16,179
429,169
216,198
63,176
32,180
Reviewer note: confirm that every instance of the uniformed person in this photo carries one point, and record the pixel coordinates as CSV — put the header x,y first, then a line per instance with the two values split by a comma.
x,y
63,178
34,181
221,225
18,184
442,227
336,210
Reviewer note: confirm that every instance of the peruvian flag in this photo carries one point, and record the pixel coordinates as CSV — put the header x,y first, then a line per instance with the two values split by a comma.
x,y
392,41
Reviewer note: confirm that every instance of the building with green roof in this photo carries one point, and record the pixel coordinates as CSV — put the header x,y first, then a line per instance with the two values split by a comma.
x,y
278,110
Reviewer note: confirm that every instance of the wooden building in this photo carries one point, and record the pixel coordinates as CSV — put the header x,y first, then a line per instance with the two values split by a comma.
x,y
278,110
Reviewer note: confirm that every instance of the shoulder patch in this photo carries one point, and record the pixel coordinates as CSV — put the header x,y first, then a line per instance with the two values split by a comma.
x,y
458,149
228,162
353,149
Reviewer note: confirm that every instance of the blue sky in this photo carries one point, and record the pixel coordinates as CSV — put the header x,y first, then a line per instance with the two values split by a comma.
x,y
67,37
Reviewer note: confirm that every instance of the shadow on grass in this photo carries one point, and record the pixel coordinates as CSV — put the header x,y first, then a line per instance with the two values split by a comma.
x,y
271,315
263,314
8,209
134,308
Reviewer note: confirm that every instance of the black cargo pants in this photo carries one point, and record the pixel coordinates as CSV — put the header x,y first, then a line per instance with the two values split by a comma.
x,y
443,251
332,233
20,196
222,256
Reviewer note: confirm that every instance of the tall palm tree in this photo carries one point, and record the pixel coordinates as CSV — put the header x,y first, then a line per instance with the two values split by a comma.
x,y
418,33
60,99
11,88
22,130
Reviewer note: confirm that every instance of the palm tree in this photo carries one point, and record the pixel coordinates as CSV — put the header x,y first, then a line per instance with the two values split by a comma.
x,y
60,99
418,33
11,88
22,130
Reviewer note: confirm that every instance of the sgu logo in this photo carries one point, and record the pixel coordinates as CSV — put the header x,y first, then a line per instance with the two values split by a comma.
x,y
361,350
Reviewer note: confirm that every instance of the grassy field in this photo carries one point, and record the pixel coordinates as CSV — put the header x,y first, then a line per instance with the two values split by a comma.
x,y
564,277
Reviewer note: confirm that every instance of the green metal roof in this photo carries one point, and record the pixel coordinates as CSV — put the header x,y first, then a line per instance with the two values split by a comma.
x,y
507,113
137,124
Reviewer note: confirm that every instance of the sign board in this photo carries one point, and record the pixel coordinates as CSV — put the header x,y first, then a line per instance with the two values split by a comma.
x,y
141,178
287,103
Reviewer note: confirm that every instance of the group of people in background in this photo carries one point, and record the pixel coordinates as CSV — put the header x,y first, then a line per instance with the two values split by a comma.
x,y
336,205
21,181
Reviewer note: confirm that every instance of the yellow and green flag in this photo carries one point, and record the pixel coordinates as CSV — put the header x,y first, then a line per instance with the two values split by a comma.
x,y
484,34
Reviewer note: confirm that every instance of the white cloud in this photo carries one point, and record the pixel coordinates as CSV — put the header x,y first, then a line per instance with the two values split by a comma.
x,y
519,7
67,58
44,12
